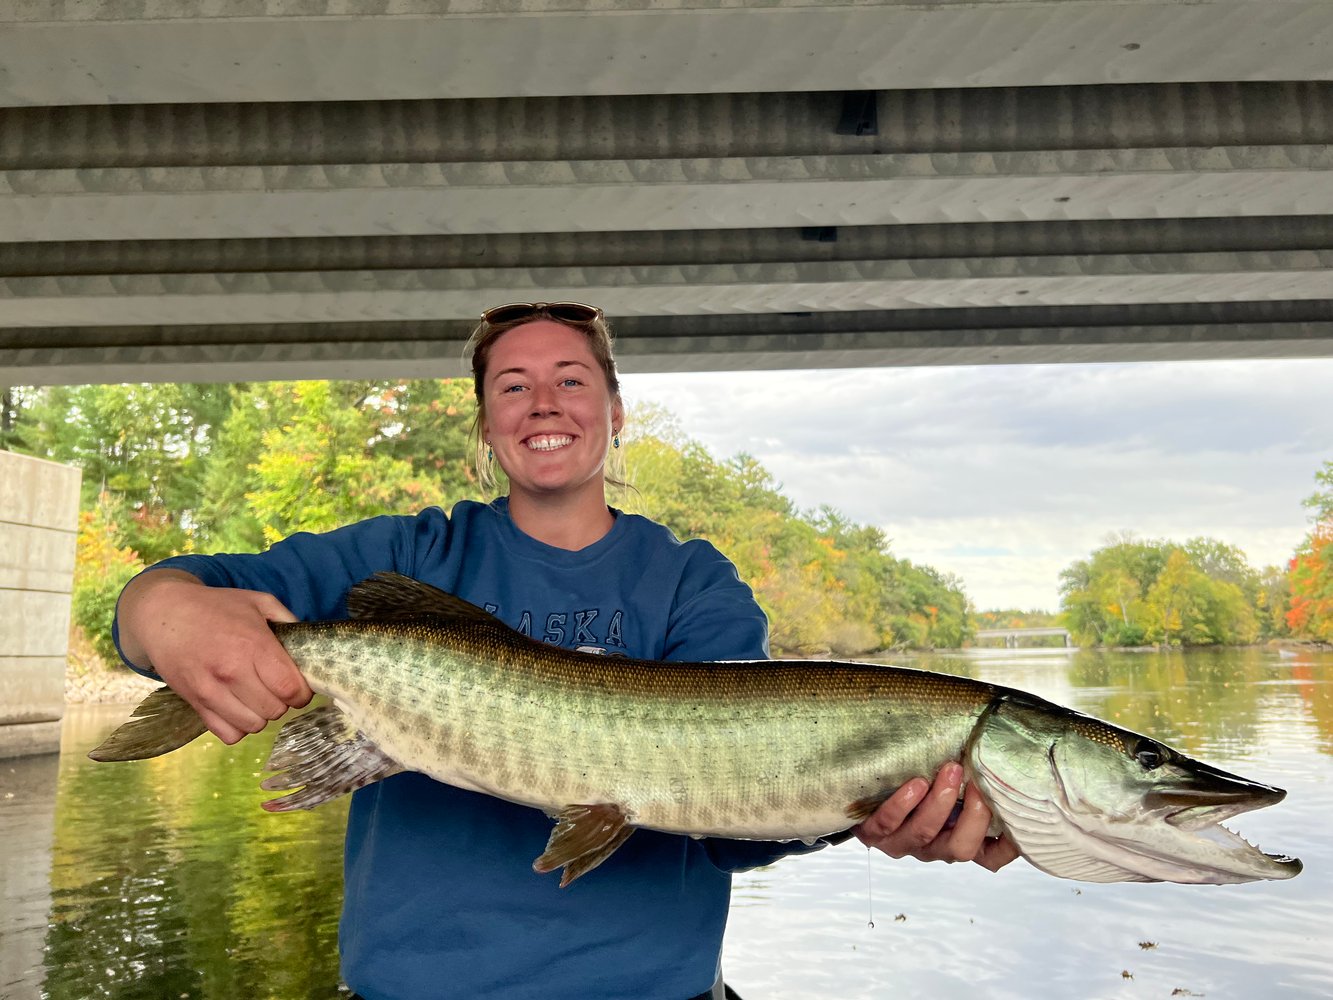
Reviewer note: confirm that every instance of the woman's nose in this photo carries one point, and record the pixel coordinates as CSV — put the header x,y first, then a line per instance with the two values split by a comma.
x,y
544,402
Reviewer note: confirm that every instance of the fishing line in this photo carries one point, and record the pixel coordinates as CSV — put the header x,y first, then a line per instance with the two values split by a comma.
x,y
870,894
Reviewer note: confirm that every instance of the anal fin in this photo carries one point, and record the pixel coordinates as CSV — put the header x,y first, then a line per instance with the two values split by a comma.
x,y
584,837
863,808
325,756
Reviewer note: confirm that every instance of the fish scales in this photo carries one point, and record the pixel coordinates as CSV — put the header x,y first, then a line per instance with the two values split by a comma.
x,y
771,749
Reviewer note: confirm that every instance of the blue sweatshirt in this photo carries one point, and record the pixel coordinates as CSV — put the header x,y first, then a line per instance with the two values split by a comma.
x,y
440,899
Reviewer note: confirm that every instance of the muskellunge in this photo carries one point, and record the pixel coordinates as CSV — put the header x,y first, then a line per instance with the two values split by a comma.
x,y
772,750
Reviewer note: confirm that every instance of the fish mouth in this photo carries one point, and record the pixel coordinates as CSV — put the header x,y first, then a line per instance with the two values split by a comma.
x,y
1198,813
1204,812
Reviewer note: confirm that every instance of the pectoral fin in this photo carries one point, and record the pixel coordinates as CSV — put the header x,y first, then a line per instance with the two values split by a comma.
x,y
584,837
324,755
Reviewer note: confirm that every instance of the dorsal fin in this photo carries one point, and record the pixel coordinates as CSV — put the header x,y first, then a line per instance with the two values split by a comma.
x,y
393,597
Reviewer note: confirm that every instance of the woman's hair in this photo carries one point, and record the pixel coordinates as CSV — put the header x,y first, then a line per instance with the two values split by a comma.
x,y
478,350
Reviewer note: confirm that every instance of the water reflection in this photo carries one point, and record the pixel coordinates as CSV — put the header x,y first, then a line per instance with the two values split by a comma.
x,y
166,880
27,829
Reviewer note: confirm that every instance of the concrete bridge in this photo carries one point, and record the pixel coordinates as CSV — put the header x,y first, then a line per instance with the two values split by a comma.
x,y
1012,636
326,188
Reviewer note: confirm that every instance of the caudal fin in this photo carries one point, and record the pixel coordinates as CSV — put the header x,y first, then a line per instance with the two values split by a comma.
x,y
164,721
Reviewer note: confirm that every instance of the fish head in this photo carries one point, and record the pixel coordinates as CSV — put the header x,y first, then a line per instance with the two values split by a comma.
x,y
1087,800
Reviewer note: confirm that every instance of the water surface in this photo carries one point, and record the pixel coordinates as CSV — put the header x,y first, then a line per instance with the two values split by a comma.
x,y
164,879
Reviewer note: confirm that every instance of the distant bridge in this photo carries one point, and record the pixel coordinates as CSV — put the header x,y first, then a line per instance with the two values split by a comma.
x,y
1012,635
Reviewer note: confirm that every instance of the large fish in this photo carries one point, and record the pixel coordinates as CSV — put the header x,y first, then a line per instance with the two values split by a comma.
x,y
772,750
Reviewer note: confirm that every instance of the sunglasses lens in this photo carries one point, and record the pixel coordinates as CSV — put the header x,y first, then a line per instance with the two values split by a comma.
x,y
508,313
573,312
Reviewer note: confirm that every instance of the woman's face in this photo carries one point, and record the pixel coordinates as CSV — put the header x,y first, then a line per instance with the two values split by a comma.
x,y
549,412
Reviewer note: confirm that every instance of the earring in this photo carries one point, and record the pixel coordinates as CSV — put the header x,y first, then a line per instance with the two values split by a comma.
x,y
615,441
490,454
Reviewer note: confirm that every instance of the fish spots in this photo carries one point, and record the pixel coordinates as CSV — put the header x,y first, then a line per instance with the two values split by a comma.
x,y
680,791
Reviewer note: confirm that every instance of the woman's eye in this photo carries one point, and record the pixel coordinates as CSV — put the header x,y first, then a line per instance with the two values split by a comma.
x,y
512,388
570,383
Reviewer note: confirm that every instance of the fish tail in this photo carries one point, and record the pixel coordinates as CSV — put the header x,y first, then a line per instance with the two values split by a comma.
x,y
164,721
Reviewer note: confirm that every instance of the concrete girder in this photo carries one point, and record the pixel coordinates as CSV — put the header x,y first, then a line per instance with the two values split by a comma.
x,y
600,195
650,126
441,357
816,286
680,247
56,52
964,335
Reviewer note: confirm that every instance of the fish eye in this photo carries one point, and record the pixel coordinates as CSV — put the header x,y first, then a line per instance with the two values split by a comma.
x,y
1149,755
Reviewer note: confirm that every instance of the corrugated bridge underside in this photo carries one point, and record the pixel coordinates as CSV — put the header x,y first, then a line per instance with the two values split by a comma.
x,y
207,191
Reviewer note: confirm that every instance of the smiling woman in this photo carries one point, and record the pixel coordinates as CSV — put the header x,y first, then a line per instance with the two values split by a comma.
x,y
548,408
439,880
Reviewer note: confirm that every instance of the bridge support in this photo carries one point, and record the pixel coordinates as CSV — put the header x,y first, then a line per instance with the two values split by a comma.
x,y
39,510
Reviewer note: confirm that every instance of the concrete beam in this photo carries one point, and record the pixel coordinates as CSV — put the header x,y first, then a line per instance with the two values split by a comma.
x,y
666,290
131,51
1079,237
976,344
656,126
601,195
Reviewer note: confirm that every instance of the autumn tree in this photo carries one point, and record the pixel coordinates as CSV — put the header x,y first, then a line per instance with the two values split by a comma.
x,y
1310,572
1132,592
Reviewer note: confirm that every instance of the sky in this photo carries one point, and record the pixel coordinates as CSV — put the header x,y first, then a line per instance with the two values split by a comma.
x,y
1005,475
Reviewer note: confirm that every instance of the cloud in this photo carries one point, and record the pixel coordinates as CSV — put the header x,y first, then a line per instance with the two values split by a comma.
x,y
1004,475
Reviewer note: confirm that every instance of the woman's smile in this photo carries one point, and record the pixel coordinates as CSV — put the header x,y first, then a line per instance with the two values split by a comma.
x,y
549,442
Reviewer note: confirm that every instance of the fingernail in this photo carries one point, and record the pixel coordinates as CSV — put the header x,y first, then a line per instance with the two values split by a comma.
x,y
952,774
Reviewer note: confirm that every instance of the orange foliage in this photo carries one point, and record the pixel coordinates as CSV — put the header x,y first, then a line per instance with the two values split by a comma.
x,y
1310,577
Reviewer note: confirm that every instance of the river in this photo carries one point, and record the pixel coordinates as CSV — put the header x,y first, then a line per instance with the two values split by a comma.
x,y
164,879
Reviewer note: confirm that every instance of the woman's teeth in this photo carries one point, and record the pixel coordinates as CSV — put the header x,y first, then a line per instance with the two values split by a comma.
x,y
549,442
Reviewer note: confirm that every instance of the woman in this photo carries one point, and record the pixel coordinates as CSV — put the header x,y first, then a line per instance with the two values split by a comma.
x,y
440,899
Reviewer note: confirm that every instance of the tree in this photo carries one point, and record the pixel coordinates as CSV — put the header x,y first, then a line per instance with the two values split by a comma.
x,y
1311,580
102,567
1320,501
333,462
1310,572
141,444
1131,592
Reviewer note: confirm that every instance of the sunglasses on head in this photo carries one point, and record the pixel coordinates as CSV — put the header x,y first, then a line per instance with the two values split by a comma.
x,y
577,313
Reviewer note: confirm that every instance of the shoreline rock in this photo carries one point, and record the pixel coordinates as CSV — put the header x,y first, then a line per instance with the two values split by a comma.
x,y
106,686
90,680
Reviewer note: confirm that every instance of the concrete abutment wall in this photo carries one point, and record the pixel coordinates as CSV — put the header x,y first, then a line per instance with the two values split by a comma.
x,y
39,511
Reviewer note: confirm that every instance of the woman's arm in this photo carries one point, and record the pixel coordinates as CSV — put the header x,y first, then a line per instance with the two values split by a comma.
x,y
213,647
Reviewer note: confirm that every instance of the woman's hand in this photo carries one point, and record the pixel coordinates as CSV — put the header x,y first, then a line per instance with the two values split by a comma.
x,y
914,821
213,647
